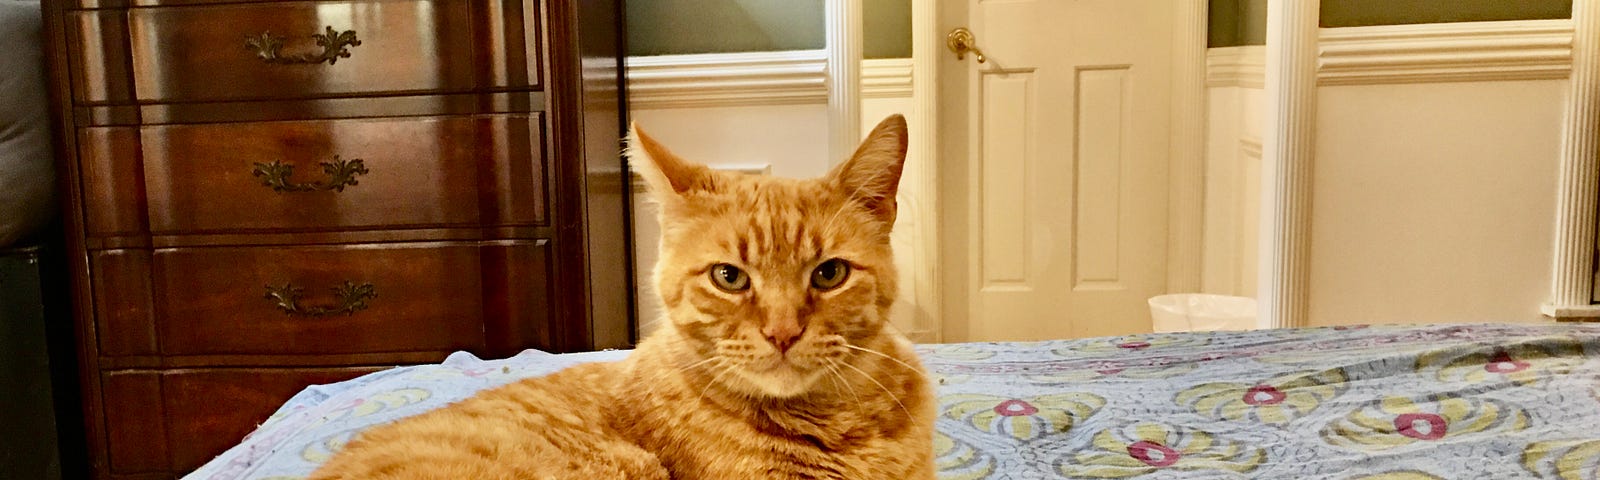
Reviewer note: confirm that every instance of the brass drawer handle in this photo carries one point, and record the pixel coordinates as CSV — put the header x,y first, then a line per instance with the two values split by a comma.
x,y
335,45
351,298
341,173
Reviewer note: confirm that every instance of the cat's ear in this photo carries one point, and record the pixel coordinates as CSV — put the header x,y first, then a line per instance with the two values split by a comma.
x,y
872,175
668,176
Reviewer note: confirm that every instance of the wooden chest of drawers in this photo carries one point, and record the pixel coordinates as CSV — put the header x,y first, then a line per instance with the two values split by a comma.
x,y
267,194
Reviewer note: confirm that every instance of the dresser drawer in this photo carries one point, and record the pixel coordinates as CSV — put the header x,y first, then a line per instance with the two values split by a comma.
x,y
316,175
310,49
325,300
175,420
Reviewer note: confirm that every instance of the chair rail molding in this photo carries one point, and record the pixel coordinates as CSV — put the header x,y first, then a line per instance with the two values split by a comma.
x,y
727,79
1243,67
1446,52
753,79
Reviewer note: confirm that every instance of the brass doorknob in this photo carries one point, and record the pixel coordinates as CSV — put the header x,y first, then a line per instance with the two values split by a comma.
x,y
962,41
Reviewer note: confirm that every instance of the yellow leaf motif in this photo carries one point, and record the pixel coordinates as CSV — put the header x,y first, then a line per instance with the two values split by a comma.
x,y
1145,447
1022,418
1400,475
1563,459
320,451
959,461
390,400
1400,421
1524,364
1136,373
1275,401
1133,343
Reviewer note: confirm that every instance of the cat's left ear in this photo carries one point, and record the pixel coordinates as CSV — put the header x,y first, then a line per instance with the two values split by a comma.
x,y
872,175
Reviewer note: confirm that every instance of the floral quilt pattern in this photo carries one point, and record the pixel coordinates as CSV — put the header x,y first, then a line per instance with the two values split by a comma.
x,y
1383,402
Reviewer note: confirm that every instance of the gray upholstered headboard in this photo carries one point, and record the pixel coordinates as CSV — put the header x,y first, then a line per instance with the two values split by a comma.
x,y
27,179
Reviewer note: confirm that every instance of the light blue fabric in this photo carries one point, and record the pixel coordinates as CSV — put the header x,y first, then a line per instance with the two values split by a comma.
x,y
1441,401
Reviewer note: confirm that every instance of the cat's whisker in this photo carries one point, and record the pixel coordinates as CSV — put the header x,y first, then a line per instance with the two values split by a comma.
x,y
884,355
686,369
833,368
725,370
885,390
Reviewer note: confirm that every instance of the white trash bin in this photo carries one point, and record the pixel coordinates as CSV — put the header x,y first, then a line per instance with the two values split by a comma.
x,y
1201,312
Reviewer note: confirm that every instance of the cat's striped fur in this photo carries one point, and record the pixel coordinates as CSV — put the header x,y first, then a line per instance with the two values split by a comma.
x,y
777,369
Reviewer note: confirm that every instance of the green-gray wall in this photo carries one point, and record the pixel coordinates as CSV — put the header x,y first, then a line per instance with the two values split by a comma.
x,y
664,27
1357,13
1237,22
1244,22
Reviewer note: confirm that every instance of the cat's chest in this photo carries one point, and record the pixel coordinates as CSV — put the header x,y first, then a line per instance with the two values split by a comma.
x,y
710,444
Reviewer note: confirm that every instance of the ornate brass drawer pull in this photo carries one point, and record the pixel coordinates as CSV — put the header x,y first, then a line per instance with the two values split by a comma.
x,y
341,173
352,298
335,45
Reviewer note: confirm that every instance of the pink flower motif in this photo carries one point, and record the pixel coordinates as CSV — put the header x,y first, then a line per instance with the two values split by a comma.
x,y
1263,395
1501,362
1015,408
1109,371
1154,454
1421,426
1134,345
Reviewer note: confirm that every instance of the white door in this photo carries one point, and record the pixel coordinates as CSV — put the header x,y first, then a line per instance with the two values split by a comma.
x,y
1054,163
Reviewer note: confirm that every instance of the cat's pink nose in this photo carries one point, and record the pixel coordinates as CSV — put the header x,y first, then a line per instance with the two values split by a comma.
x,y
782,335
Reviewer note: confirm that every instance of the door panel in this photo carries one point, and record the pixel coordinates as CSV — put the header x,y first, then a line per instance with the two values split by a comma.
x,y
1063,178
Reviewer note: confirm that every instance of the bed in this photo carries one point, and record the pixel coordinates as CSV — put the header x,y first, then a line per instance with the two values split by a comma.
x,y
1381,402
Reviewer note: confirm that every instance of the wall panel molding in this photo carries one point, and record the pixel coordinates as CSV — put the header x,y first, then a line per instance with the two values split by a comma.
x,y
1446,52
727,79
752,79
886,78
1244,67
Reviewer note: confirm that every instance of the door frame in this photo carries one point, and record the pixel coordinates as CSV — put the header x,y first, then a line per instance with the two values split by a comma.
x,y
1187,150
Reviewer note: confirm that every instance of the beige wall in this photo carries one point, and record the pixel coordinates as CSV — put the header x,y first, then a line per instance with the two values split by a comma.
x,y
1434,202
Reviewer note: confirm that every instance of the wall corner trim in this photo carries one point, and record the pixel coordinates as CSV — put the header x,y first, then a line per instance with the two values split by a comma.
x,y
1578,179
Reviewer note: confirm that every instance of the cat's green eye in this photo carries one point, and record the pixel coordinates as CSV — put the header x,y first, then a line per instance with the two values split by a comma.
x,y
730,278
830,274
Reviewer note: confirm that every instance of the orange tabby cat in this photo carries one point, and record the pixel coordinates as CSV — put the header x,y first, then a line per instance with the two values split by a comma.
x,y
776,360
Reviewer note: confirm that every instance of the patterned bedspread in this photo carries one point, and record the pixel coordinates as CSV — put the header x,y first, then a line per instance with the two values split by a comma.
x,y
1433,402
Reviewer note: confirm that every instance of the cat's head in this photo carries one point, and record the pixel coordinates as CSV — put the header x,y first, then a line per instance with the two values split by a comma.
x,y
775,278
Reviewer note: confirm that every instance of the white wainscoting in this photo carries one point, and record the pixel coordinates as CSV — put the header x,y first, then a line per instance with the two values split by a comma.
x,y
764,112
1435,168
1234,100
